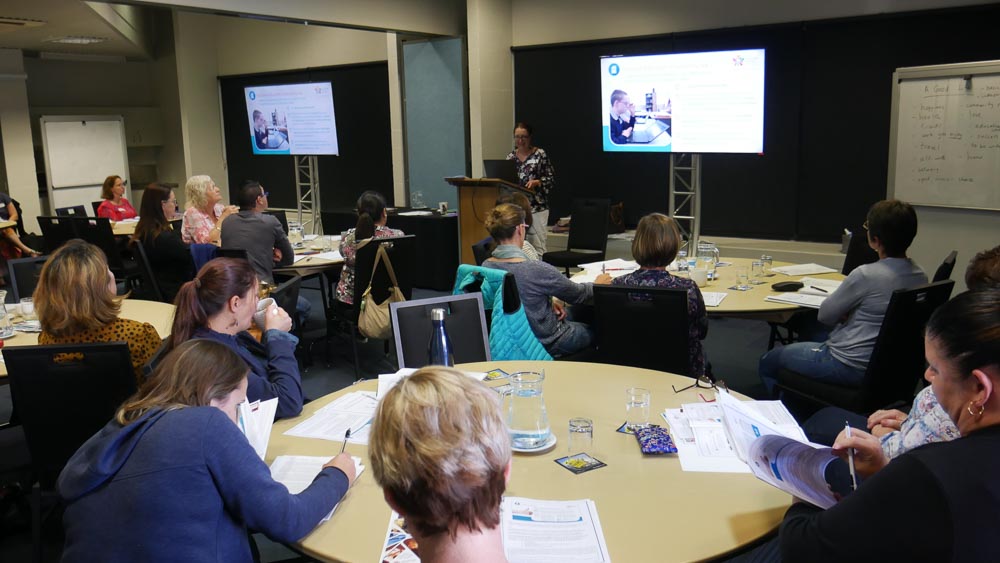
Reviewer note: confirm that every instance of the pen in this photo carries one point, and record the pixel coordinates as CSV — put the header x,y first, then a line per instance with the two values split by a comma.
x,y
603,269
818,289
348,435
850,459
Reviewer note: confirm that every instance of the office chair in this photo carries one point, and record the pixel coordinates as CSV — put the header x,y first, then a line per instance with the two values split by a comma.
x,y
465,321
72,211
150,288
56,231
643,327
24,274
280,215
482,250
588,235
943,271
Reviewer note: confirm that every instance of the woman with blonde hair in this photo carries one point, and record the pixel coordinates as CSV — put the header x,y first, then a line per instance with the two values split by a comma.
x,y
654,247
115,206
542,288
172,477
75,302
205,214
440,450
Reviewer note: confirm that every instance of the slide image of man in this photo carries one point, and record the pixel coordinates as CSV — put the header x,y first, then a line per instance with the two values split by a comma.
x,y
622,118
266,137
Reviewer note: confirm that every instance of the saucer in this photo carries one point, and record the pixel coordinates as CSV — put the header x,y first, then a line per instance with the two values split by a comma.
x,y
547,445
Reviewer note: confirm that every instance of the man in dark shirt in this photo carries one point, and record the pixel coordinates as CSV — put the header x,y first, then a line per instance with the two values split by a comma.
x,y
622,118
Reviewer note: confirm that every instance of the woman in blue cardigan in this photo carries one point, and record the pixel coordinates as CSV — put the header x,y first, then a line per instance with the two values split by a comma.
x,y
219,304
172,478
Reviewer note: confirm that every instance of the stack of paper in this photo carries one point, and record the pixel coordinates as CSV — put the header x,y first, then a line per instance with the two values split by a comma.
x,y
800,299
256,420
819,287
353,410
296,472
712,298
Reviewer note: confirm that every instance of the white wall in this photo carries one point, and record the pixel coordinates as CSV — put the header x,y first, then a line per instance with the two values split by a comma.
x,y
491,81
942,230
15,128
554,21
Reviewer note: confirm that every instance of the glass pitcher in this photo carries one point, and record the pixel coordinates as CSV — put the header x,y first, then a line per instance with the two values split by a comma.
x,y
708,256
6,328
527,419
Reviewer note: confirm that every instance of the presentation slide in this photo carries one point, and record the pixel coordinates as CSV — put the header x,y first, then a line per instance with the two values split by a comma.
x,y
292,119
710,102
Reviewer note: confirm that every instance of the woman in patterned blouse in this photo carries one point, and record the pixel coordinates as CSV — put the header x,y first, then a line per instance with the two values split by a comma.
x,y
205,214
371,224
657,239
75,301
536,174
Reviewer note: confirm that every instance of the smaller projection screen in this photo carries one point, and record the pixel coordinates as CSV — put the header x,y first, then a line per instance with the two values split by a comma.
x,y
711,102
292,119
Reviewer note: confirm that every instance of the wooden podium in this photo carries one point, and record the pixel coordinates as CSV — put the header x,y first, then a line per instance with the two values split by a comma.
x,y
476,197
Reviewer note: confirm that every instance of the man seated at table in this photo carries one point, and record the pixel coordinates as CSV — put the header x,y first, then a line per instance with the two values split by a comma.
x,y
440,450
857,306
542,288
262,237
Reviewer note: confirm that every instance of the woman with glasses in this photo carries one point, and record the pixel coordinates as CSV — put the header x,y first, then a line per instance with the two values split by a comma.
x,y
535,174
169,258
542,288
205,212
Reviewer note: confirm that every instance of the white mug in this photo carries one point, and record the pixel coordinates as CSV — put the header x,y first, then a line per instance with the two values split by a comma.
x,y
262,305
699,276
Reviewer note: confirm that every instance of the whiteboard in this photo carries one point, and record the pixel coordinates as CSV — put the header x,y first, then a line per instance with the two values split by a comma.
x,y
80,152
945,145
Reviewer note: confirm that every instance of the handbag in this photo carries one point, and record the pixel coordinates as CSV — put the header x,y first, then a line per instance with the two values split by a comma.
x,y
373,318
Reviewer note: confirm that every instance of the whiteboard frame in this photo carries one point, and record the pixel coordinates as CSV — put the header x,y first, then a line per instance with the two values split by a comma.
x,y
45,152
955,70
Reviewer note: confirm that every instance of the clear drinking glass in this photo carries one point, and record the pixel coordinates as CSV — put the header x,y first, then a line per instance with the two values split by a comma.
x,y
744,279
757,272
581,435
768,262
636,407
28,309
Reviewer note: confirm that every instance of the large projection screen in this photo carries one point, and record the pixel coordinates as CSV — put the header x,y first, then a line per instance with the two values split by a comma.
x,y
293,119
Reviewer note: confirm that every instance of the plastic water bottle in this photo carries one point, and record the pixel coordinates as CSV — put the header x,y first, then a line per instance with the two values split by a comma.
x,y
439,351
682,261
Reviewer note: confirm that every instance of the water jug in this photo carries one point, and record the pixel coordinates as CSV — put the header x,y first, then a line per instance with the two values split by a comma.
x,y
708,255
6,328
526,417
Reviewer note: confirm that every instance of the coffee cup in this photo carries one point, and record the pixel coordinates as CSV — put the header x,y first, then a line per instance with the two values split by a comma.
x,y
699,276
262,306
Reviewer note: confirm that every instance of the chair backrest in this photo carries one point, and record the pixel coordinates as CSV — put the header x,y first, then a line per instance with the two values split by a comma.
x,y
24,275
72,211
287,294
64,394
150,288
858,252
465,321
280,215
944,270
202,253
232,253
642,327
588,229
897,360
401,252
96,205
56,231
481,250
336,223
98,231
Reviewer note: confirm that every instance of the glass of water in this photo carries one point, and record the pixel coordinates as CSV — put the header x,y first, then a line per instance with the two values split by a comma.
x,y
744,279
757,272
768,263
636,408
581,435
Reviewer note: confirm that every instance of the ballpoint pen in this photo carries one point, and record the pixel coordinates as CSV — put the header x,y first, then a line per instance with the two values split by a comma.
x,y
348,435
850,459
818,289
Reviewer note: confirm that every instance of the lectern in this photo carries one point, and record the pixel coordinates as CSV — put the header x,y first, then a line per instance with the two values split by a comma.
x,y
476,197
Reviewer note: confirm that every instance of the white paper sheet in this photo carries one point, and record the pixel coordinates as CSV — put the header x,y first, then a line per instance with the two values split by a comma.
x,y
387,381
415,213
614,264
296,472
539,531
331,256
353,410
700,437
819,287
713,298
800,299
256,420
803,269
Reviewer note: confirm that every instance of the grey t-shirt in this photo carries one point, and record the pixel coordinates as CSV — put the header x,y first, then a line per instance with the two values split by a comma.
x,y
537,283
863,298
259,234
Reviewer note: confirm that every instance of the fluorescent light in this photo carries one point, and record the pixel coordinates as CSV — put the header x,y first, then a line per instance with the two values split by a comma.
x,y
77,40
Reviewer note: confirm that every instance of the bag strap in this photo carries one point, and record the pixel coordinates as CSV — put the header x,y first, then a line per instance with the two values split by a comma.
x,y
383,256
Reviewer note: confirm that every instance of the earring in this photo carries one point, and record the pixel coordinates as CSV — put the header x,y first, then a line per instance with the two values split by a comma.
x,y
982,408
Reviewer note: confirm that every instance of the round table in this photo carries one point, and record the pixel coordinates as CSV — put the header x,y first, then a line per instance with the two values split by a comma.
x,y
649,508
160,315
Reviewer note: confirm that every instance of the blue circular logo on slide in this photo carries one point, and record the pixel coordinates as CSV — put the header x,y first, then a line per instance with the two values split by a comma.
x,y
613,70
253,95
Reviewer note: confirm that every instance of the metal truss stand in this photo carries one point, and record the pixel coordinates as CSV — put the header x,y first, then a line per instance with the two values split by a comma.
x,y
307,193
685,198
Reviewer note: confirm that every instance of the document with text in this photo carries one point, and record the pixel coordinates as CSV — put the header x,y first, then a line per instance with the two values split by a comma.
x,y
540,531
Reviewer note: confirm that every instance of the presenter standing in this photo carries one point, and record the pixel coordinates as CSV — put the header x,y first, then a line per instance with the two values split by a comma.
x,y
536,174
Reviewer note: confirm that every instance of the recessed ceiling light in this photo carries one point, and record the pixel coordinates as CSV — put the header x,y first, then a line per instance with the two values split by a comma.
x,y
77,40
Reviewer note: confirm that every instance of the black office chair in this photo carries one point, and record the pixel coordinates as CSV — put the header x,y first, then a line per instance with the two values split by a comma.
x,y
72,211
62,395
858,252
56,231
944,270
642,327
588,235
24,275
279,214
97,231
240,253
286,295
96,205
897,361
149,288
465,322
482,250
402,254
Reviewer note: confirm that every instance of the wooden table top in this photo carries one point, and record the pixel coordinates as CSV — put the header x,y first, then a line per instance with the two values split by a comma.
x,y
160,315
649,508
